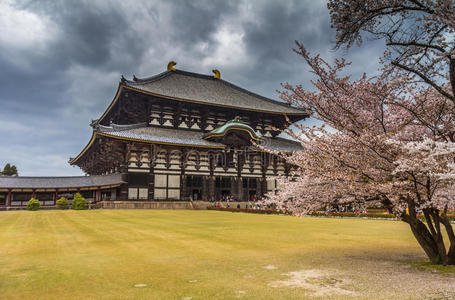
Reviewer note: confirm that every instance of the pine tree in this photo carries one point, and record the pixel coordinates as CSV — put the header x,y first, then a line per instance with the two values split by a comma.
x,y
9,170
14,171
6,169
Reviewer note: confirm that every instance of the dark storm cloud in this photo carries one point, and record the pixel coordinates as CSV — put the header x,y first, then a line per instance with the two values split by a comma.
x,y
61,60
89,32
196,20
272,34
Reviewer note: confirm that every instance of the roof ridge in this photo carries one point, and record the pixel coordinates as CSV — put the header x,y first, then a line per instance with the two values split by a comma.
x,y
120,127
148,79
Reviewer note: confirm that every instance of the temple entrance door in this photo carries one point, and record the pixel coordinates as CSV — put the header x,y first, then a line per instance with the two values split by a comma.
x,y
193,187
249,188
223,188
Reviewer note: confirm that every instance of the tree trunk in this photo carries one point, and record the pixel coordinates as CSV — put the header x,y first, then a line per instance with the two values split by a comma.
x,y
452,76
424,238
449,229
432,242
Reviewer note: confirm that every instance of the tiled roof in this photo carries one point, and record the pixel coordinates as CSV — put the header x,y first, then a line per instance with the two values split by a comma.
x,y
206,89
279,144
184,137
158,135
59,182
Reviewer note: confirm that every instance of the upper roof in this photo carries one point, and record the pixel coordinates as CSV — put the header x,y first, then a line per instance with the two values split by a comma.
x,y
199,88
59,182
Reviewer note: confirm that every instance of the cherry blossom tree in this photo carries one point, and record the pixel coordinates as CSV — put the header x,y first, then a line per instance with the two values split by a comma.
x,y
391,146
419,35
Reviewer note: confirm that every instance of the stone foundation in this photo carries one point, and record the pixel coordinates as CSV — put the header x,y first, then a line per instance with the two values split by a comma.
x,y
145,205
232,204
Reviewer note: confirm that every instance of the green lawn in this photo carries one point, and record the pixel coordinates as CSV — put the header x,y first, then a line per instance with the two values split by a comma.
x,y
182,254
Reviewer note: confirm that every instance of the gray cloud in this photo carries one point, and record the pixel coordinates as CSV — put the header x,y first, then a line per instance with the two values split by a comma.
x,y
61,60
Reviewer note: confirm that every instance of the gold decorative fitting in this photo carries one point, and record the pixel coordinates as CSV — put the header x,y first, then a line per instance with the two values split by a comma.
x,y
170,65
217,74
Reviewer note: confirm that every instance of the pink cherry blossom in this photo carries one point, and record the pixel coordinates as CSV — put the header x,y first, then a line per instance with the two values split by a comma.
x,y
389,146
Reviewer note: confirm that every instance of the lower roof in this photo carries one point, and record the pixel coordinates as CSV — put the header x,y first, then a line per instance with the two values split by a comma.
x,y
59,182
161,135
178,137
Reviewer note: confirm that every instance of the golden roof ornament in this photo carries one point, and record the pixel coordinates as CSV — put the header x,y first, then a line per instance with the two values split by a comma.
x,y
170,65
217,74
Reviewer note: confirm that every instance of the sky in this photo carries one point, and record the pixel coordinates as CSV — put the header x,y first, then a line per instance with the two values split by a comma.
x,y
61,61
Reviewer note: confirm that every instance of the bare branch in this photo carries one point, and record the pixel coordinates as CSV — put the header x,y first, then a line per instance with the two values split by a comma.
x,y
414,43
424,78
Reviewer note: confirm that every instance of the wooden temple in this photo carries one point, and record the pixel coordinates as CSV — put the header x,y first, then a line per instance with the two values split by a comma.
x,y
181,136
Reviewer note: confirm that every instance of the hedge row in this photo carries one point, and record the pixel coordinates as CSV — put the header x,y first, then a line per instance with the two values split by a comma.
x,y
353,215
320,213
247,210
376,210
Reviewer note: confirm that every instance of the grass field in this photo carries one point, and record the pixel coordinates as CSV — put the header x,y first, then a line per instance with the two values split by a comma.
x,y
155,254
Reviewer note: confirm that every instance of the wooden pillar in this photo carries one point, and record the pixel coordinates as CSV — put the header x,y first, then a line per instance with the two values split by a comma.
x,y
258,188
8,203
240,188
183,187
211,179
211,188
55,197
205,188
151,187
123,196
265,159
240,157
263,185
234,187
151,176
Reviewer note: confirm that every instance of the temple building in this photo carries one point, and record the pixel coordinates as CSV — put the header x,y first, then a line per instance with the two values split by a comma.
x,y
179,136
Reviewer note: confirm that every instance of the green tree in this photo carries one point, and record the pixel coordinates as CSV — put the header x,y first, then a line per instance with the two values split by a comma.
x,y
33,204
62,203
14,171
9,170
79,202
6,169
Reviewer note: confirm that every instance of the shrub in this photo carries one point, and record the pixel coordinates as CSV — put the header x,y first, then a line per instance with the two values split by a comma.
x,y
79,202
33,204
62,203
247,210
